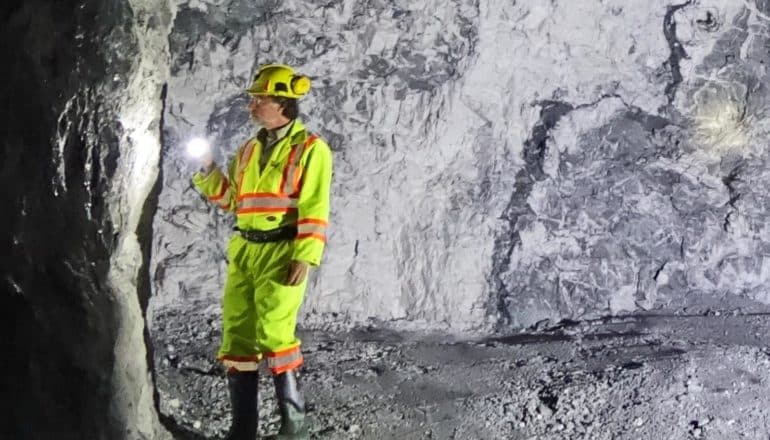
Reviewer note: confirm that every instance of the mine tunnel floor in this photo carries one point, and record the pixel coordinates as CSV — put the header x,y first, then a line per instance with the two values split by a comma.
x,y
651,377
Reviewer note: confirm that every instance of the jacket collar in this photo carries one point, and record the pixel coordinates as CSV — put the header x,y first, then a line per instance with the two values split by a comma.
x,y
289,131
297,128
279,133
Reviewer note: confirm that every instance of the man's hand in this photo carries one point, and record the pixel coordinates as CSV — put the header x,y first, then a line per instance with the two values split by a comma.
x,y
206,163
199,149
297,271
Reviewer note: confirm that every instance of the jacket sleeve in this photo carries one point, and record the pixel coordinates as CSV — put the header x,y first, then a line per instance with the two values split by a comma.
x,y
218,187
313,203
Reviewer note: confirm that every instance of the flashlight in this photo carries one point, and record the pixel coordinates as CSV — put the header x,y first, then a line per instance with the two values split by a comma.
x,y
198,147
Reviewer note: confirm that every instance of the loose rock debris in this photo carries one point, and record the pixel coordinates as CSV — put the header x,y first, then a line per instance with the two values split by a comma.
x,y
703,377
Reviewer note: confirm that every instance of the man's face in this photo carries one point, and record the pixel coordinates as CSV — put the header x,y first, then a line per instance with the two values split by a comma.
x,y
265,111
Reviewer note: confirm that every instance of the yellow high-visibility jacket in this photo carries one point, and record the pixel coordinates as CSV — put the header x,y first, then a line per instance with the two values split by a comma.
x,y
293,189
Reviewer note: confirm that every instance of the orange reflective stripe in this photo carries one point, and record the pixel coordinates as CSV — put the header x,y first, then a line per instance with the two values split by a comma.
x,y
316,221
225,190
311,228
284,360
315,236
264,210
266,202
283,352
285,186
248,151
292,172
288,367
262,195
297,176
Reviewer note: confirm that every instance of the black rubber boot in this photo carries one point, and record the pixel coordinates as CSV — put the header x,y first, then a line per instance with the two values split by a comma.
x,y
294,424
243,387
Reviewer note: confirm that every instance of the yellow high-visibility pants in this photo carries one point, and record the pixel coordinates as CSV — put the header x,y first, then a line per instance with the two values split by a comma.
x,y
259,311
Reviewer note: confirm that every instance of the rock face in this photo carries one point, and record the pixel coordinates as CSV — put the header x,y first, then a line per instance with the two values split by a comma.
x,y
79,155
498,164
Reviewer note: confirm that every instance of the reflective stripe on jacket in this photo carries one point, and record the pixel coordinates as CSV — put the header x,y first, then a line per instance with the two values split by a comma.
x,y
293,189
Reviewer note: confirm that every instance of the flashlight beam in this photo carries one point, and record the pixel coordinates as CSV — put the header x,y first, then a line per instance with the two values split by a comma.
x,y
198,147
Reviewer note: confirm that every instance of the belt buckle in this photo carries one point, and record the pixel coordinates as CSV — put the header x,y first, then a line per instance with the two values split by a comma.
x,y
258,236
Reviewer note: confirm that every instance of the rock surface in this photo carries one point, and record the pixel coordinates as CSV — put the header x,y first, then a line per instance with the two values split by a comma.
x,y
498,164
80,125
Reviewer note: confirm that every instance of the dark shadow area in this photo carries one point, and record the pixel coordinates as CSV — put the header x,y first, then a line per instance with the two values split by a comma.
x,y
58,148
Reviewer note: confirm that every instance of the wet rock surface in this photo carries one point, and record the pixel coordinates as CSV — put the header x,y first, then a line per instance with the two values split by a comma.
x,y
640,377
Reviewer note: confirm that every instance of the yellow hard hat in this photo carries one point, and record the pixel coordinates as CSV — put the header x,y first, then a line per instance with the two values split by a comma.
x,y
279,80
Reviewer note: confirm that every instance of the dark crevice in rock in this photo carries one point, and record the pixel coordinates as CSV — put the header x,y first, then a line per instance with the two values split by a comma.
x,y
534,155
728,181
677,51
659,270
517,211
535,147
144,235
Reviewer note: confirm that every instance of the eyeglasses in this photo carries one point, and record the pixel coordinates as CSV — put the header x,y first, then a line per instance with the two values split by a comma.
x,y
258,99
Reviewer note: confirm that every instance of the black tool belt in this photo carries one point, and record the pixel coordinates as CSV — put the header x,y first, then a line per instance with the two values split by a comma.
x,y
280,234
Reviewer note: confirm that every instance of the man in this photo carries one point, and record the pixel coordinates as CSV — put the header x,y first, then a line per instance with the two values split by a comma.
x,y
278,187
